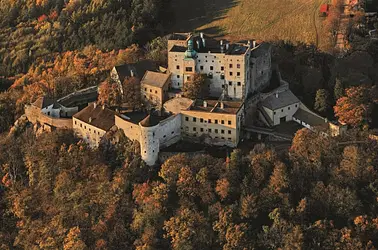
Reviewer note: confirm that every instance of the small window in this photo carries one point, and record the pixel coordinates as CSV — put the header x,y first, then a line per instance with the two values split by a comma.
x,y
201,120
237,73
216,121
98,133
296,105
222,131
194,129
85,127
209,121
222,138
150,90
155,91
288,108
239,83
201,67
238,66
94,131
164,136
274,112
229,132
178,76
222,122
75,122
222,77
216,131
178,67
186,118
188,78
211,68
89,129
281,110
172,132
230,73
230,83
222,68
209,130
201,129
230,66
229,122
194,119
189,69
210,76
145,89
229,138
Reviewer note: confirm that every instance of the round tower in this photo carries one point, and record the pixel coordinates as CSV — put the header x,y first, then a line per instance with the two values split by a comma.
x,y
149,141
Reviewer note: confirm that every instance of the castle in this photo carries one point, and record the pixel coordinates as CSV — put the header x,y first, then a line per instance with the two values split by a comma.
x,y
237,73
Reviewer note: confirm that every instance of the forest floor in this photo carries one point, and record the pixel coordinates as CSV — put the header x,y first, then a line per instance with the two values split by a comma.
x,y
291,20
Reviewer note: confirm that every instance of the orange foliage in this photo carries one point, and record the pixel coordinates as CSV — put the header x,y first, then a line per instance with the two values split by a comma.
x,y
42,18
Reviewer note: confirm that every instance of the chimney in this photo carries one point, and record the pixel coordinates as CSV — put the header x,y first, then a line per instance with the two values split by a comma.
x,y
249,43
227,46
254,44
276,94
221,42
94,105
198,44
90,119
103,107
201,35
205,104
131,73
221,105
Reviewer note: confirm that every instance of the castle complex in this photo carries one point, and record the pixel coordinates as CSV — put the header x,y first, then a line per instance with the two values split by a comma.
x,y
238,76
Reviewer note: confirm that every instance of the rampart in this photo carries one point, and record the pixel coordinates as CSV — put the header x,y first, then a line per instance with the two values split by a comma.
x,y
35,115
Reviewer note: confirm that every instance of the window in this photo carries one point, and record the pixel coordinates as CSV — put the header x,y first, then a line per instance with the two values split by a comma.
x,y
222,122
210,76
211,68
238,66
98,133
178,76
209,130
229,138
239,83
229,122
75,122
281,110
222,131
209,121
230,83
186,118
201,67
201,120
150,90
230,66
274,112
189,69
188,78
155,91
94,131
85,127
222,138
222,77
178,67
48,113
145,89
199,60
238,73
216,121
229,132
288,108
172,132
222,68
194,119
230,73
89,130
194,129
216,131
201,129
296,105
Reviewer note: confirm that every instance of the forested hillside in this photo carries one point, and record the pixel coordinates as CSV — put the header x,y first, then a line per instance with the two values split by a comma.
x,y
36,28
56,193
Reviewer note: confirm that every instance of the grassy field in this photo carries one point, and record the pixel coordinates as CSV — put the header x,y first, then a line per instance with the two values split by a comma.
x,y
293,20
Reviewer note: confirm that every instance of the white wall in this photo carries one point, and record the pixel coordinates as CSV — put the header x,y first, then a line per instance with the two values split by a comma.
x,y
149,144
287,111
169,131
90,134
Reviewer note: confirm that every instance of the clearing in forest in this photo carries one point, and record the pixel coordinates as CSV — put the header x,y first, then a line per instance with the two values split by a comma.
x,y
292,20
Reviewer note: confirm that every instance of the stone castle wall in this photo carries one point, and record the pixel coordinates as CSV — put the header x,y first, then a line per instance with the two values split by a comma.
x,y
35,115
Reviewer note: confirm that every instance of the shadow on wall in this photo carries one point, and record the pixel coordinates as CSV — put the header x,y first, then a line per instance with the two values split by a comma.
x,y
190,15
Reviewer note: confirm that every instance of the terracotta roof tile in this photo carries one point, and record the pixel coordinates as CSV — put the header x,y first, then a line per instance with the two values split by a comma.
x,y
97,116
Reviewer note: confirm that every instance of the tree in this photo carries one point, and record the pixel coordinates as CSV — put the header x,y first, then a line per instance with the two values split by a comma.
x,y
131,93
321,101
109,93
339,89
188,230
355,108
197,87
73,241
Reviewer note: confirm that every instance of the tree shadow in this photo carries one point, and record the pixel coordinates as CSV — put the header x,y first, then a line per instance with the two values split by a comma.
x,y
191,15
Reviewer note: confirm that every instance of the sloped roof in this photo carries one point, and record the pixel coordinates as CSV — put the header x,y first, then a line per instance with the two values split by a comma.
x,y
138,69
284,99
310,118
43,102
100,117
155,79
214,106
175,105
